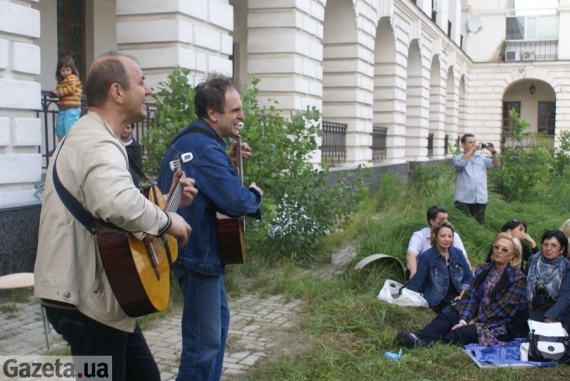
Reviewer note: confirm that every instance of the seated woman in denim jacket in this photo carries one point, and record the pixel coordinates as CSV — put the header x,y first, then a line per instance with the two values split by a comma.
x,y
486,312
443,274
548,280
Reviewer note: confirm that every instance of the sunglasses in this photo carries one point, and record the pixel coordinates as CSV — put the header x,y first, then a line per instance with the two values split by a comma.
x,y
502,249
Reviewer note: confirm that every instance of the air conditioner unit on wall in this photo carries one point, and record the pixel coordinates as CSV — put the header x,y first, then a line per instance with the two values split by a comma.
x,y
527,56
512,55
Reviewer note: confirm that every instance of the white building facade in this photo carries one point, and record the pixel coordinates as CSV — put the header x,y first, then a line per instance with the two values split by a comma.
x,y
410,68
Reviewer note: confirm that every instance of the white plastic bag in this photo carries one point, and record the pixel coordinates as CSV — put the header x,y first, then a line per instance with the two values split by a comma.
x,y
408,298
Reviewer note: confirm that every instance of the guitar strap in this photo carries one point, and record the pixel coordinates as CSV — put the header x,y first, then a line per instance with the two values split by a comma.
x,y
75,208
79,212
197,130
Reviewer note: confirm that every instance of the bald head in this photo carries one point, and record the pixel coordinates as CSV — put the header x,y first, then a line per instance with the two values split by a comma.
x,y
106,70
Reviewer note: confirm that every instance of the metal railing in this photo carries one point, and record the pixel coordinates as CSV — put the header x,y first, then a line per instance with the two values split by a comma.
x,y
379,148
531,50
430,145
48,116
527,141
333,146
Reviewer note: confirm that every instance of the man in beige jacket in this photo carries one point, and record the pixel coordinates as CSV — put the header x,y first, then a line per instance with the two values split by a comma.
x,y
92,165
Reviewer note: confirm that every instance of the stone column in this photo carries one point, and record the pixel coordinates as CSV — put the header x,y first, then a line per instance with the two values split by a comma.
x,y
20,129
168,33
20,135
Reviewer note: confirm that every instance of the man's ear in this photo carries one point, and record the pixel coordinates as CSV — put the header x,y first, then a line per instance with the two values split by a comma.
x,y
212,114
116,92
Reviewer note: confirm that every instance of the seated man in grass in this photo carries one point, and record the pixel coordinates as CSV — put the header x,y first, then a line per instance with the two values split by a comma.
x,y
420,240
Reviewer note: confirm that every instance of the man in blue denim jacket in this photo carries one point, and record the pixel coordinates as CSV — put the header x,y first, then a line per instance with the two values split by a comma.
x,y
199,268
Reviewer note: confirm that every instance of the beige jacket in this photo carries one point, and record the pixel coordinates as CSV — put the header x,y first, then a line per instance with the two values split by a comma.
x,y
93,166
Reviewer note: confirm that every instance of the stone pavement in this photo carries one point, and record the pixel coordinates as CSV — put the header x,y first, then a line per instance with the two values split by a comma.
x,y
254,321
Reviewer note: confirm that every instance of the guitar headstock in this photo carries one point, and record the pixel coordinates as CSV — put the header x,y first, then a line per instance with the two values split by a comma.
x,y
174,165
184,158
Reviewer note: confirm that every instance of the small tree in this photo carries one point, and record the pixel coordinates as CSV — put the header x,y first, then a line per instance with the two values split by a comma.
x,y
174,111
299,208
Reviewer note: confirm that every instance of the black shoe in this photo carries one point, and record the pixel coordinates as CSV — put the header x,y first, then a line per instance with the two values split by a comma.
x,y
407,340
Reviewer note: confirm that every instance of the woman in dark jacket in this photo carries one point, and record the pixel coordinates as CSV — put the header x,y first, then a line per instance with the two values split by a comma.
x,y
443,275
496,295
548,280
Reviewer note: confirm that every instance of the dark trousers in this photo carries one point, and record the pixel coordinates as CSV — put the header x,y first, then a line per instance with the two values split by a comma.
x,y
440,330
475,210
131,356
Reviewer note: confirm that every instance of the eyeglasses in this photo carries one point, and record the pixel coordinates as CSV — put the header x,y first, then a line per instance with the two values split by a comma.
x,y
550,245
502,249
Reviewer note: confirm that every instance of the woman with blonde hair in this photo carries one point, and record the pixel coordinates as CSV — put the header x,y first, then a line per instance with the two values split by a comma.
x,y
483,315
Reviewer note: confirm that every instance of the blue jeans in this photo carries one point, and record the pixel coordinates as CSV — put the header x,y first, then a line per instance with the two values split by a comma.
x,y
65,119
132,359
205,323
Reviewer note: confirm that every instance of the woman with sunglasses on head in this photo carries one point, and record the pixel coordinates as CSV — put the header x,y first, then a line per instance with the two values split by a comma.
x,y
517,229
487,310
548,280
443,274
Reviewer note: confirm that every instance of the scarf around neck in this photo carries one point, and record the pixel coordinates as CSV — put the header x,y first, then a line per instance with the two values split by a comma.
x,y
545,273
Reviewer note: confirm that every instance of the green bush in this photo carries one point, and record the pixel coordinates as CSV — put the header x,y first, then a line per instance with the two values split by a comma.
x,y
174,111
299,208
535,171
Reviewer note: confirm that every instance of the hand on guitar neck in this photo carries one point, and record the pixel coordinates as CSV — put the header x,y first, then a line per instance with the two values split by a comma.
x,y
188,190
179,228
245,152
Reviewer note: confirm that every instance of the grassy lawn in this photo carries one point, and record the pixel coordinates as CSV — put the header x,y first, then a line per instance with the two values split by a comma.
x,y
344,330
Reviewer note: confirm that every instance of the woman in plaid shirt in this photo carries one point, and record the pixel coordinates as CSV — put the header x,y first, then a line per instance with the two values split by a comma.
x,y
496,295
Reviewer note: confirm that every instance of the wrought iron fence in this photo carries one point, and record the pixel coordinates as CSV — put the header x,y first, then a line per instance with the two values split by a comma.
x,y
379,148
531,50
430,145
48,116
333,146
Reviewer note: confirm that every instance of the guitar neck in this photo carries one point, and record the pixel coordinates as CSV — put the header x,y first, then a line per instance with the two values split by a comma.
x,y
239,159
175,198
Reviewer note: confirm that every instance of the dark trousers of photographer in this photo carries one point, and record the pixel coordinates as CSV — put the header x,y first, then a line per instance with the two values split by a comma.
x,y
475,210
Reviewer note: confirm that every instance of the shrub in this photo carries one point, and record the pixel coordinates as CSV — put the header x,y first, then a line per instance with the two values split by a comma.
x,y
299,208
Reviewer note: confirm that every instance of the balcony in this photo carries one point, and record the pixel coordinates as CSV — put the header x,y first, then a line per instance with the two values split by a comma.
x,y
48,116
531,51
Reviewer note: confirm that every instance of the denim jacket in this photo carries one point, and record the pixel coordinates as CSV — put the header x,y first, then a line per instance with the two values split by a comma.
x,y
432,277
219,189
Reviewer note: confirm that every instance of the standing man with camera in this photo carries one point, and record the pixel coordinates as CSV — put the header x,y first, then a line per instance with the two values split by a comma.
x,y
471,177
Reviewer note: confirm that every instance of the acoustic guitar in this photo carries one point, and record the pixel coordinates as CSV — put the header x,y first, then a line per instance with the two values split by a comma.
x,y
139,270
231,230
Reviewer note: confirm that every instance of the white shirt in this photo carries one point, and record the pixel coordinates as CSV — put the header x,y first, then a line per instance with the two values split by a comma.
x,y
420,242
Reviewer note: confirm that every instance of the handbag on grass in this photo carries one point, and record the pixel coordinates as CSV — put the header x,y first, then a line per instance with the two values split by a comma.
x,y
395,293
548,342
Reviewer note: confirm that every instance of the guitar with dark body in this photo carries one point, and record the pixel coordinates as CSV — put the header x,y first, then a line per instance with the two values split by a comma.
x,y
231,230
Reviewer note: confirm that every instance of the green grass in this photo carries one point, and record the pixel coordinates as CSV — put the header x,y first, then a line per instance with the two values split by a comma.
x,y
344,331
9,299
